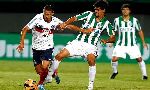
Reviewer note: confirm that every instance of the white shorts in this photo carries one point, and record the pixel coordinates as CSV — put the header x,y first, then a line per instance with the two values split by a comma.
x,y
79,48
132,51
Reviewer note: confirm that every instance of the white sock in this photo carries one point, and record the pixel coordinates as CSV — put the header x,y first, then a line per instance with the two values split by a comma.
x,y
114,66
92,73
143,68
55,64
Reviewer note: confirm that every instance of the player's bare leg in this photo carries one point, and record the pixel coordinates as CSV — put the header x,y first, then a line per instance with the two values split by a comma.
x,y
58,58
38,68
143,68
92,70
114,65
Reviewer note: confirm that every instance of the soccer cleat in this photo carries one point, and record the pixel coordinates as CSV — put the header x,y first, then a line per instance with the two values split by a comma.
x,y
41,87
145,78
90,87
48,79
57,79
113,75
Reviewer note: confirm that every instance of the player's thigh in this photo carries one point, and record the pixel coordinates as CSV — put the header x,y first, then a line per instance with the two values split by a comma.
x,y
134,52
46,57
36,57
62,54
74,48
119,51
45,64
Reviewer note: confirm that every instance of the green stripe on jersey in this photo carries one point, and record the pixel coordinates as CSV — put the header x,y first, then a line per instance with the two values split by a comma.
x,y
83,15
127,30
90,22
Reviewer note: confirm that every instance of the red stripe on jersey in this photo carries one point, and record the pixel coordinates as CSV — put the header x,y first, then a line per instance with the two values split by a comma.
x,y
39,29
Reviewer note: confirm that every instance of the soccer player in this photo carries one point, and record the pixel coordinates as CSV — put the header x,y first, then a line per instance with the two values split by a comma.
x,y
127,26
42,26
86,44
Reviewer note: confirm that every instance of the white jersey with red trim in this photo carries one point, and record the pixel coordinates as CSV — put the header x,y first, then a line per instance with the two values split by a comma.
x,y
42,32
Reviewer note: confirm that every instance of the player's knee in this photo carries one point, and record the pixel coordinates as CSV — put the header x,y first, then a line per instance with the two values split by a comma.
x,y
139,59
59,57
91,62
114,59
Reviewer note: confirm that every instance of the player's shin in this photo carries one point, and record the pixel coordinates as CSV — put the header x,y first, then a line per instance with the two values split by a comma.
x,y
92,73
114,66
143,68
43,75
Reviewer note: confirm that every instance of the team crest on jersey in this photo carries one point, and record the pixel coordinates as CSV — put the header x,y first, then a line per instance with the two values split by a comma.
x,y
99,25
130,24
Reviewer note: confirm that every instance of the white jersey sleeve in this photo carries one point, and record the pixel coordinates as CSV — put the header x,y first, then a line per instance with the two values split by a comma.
x,y
137,25
115,24
56,22
32,23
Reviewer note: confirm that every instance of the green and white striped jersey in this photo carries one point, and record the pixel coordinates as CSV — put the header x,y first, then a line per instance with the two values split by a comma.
x,y
90,22
126,30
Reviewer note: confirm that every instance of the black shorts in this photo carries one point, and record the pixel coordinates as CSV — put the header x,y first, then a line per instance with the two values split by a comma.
x,y
39,55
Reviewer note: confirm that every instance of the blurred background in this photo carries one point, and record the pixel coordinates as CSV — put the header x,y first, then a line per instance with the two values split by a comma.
x,y
15,14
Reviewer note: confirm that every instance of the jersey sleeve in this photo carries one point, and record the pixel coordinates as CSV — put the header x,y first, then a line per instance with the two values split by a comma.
x,y
83,15
115,25
110,30
32,23
137,25
56,23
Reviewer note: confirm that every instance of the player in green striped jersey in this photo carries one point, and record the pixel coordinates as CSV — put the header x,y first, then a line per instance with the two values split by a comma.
x,y
86,44
127,26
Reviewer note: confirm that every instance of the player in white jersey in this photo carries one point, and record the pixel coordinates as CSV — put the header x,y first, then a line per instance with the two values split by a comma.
x,y
42,26
126,26
86,44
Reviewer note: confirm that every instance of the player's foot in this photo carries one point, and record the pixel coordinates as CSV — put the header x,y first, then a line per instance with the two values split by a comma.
x,y
57,79
145,78
90,87
113,75
48,79
41,87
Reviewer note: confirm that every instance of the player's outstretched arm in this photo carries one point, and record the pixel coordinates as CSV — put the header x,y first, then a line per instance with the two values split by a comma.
x,y
76,28
69,21
111,39
23,34
141,34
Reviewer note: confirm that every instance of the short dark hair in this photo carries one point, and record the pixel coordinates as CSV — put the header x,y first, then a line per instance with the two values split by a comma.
x,y
126,6
103,4
48,8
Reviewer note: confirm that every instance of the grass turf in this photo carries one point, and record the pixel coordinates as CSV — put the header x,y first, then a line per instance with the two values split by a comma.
x,y
74,76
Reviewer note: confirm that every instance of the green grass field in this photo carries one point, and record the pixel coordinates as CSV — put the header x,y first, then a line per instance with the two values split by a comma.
x,y
74,76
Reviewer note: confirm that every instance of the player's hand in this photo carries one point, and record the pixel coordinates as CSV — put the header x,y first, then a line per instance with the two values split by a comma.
x,y
103,41
145,45
87,31
62,26
20,47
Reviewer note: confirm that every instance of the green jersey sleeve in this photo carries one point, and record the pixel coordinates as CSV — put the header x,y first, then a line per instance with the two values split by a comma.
x,y
83,15
137,25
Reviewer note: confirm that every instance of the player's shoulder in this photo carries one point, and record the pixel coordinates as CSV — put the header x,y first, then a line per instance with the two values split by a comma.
x,y
55,18
88,12
39,15
117,18
134,18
